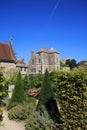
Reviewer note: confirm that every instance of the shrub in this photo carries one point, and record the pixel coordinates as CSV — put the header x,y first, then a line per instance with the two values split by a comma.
x,y
21,111
32,123
71,91
36,122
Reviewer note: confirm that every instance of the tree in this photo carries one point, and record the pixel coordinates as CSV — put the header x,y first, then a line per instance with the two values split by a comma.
x,y
26,83
18,95
71,63
47,106
46,90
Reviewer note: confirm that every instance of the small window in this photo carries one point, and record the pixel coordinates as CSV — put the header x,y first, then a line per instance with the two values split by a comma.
x,y
21,69
24,69
32,62
39,71
39,60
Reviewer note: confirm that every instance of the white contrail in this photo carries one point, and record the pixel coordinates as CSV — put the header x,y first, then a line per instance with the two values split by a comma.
x,y
54,9
52,14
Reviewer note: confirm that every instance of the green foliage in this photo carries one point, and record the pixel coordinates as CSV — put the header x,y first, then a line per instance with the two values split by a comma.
x,y
32,123
46,94
21,111
25,83
46,91
71,92
2,92
37,121
63,64
31,81
18,95
71,63
35,81
39,80
12,78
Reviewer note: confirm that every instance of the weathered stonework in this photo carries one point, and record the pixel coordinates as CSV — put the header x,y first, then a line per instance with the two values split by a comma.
x,y
8,68
44,59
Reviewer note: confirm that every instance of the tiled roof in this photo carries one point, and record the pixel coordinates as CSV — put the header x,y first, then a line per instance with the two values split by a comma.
x,y
21,63
6,53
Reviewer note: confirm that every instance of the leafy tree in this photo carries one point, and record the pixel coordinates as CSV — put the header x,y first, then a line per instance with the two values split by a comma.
x,y
71,63
18,95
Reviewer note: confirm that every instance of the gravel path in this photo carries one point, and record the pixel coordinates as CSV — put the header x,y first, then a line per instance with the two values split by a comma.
x,y
9,124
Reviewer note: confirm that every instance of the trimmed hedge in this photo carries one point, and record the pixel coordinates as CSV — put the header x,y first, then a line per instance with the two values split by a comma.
x,y
71,92
70,89
18,95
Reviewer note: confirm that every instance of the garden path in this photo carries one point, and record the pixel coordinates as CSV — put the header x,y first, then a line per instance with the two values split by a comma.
x,y
9,124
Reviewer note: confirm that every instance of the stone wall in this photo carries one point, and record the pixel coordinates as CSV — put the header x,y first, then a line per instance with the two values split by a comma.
x,y
8,69
44,59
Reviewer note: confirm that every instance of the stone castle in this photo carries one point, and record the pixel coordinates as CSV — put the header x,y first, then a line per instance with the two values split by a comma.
x,y
43,59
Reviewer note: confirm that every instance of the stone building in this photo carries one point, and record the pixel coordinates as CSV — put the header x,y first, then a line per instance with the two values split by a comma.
x,y
7,57
63,66
8,60
22,66
43,59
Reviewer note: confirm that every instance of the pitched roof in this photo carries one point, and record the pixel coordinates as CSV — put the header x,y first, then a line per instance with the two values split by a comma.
x,y
6,53
21,63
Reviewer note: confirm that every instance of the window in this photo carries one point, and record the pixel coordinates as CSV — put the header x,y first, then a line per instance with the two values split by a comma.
x,y
33,70
39,71
21,69
32,62
39,60
24,69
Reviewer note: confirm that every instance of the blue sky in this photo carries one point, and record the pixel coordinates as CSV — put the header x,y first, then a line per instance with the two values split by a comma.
x,y
33,24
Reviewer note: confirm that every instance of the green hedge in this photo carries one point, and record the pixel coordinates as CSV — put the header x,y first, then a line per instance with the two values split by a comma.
x,y
70,89
71,92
